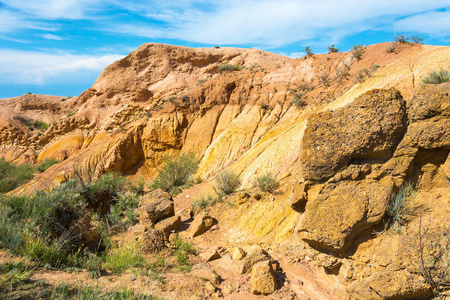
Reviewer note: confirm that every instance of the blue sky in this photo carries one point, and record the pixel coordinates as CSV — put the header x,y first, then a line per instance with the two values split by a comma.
x,y
59,47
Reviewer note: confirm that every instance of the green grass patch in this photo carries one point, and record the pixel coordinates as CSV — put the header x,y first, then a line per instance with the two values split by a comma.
x,y
122,258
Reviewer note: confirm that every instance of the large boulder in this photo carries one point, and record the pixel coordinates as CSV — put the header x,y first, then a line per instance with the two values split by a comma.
x,y
367,128
341,210
155,206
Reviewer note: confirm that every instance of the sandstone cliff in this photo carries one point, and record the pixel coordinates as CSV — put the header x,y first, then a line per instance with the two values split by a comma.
x,y
340,133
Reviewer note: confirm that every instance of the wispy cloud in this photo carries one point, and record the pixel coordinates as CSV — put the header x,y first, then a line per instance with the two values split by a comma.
x,y
270,23
28,67
13,21
54,9
434,23
49,36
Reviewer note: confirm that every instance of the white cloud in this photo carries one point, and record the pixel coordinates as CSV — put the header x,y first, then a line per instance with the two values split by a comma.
x,y
10,22
28,67
49,36
435,23
268,23
53,9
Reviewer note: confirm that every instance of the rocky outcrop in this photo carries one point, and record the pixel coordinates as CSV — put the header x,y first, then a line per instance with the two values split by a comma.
x,y
366,129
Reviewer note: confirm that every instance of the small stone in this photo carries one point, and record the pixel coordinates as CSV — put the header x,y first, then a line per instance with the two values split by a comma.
x,y
201,224
209,256
237,253
168,225
210,287
242,198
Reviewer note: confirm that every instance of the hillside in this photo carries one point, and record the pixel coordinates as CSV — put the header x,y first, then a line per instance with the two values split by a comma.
x,y
341,132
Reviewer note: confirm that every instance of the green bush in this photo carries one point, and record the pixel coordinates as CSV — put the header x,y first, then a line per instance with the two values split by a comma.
x,y
333,49
266,183
175,172
45,164
437,77
358,51
298,100
229,68
46,236
308,51
227,183
13,176
399,208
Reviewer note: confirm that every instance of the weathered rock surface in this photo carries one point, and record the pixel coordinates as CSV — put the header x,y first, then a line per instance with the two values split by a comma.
x,y
367,128
262,279
342,210
155,206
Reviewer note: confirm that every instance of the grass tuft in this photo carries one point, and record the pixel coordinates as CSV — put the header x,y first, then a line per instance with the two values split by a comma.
x,y
227,183
266,183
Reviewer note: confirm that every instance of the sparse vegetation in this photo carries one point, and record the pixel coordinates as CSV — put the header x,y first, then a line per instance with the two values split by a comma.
x,y
204,202
48,236
227,183
437,77
403,39
392,47
122,258
333,49
358,51
183,250
32,124
308,52
400,208
175,172
433,261
266,183
298,100
229,68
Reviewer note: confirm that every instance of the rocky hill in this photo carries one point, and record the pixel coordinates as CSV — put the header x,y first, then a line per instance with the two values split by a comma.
x,y
341,132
